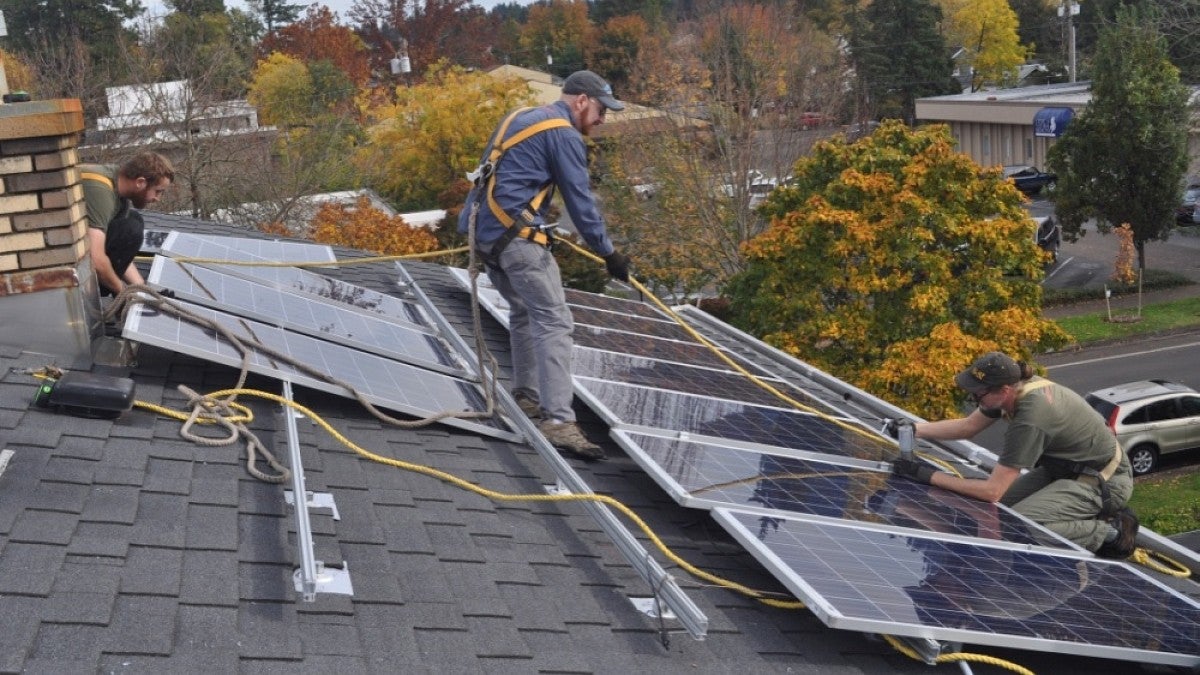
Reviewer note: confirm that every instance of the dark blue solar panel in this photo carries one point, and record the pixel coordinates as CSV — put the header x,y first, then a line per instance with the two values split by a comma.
x,y
632,324
734,477
619,305
604,365
914,585
654,348
731,419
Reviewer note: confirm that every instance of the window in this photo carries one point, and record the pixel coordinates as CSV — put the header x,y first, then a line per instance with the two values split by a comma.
x,y
1163,410
1189,406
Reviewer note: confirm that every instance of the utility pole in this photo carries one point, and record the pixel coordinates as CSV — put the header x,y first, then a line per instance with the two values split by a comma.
x,y
3,77
1067,11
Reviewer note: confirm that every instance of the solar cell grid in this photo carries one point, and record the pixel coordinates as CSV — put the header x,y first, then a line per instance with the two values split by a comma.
x,y
947,590
296,280
239,248
649,347
641,406
324,320
708,475
673,376
632,324
390,384
607,302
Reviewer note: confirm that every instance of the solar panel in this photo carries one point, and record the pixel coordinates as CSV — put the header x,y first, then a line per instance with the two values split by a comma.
x,y
674,376
714,474
718,418
649,347
685,350
607,302
152,239
384,382
295,280
877,581
631,324
248,250
319,318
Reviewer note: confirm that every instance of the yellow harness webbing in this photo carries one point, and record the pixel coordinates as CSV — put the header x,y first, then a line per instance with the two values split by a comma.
x,y
98,177
502,146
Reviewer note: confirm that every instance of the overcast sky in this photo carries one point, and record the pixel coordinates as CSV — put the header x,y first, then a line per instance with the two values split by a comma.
x,y
341,7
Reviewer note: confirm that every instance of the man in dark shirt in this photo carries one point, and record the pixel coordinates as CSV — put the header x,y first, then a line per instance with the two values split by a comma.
x,y
114,227
517,253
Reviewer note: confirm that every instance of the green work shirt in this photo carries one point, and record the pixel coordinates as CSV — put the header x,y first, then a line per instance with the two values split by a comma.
x,y
102,202
1051,420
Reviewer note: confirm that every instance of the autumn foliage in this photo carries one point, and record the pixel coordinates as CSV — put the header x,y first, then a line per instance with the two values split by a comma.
x,y
315,37
364,227
1123,270
891,263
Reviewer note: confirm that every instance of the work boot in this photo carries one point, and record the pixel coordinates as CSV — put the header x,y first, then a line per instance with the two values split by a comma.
x,y
1126,524
531,408
567,436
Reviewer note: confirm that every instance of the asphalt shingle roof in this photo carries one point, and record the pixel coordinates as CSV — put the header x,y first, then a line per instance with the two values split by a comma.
x,y
125,548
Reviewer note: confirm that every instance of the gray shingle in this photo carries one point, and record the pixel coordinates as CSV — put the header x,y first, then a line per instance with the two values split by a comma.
x,y
111,504
29,568
161,521
152,571
142,625
212,527
78,607
44,527
209,578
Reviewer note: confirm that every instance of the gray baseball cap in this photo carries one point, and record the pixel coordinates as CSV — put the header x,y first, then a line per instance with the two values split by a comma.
x,y
590,84
993,369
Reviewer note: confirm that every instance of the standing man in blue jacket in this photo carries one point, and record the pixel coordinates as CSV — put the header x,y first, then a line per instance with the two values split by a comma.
x,y
508,203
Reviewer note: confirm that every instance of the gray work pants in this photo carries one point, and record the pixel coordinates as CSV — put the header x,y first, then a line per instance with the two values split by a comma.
x,y
1068,507
539,325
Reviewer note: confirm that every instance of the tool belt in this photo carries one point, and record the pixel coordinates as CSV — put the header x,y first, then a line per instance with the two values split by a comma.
x,y
1060,468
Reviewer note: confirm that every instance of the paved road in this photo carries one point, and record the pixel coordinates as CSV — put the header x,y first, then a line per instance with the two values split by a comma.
x,y
1088,263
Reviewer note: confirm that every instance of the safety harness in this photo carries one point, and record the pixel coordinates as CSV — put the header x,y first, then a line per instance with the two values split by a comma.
x,y
484,179
98,177
1064,468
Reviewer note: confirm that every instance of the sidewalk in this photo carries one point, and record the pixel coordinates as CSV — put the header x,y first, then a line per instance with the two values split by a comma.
x,y
1124,304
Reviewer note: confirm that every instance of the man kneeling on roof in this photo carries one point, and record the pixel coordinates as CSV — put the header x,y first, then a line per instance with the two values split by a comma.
x,y
1078,480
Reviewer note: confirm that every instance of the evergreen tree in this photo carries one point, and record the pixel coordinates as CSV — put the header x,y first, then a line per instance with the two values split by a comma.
x,y
275,13
33,24
900,56
1122,159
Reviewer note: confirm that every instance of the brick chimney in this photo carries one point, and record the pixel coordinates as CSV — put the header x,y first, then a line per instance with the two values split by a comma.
x,y
48,291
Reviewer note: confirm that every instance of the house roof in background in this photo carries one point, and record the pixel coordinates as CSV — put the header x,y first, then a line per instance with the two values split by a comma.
x,y
124,547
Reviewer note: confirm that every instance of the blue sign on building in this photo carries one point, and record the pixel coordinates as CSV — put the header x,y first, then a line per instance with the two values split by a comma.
x,y
1052,122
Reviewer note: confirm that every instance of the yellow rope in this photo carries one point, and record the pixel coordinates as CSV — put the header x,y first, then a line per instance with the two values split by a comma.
x,y
957,656
1174,568
508,497
720,354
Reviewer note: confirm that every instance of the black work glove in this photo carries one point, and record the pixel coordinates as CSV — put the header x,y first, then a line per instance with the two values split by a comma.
x,y
617,265
913,470
891,428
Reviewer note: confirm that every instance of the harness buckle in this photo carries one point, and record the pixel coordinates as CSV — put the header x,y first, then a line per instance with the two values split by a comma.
x,y
481,173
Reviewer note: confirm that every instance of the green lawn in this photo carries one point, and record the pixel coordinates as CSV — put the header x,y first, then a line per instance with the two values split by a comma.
x,y
1154,319
1170,503
1167,503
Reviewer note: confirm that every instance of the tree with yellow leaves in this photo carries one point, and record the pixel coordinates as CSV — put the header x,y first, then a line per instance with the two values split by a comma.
x,y
987,32
435,133
893,261
365,227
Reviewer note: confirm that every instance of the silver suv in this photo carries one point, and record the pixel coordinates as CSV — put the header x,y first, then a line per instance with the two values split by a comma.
x,y
1150,418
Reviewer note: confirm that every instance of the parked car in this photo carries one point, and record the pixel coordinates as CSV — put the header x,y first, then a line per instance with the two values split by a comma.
x,y
811,120
1048,236
1030,180
1185,213
1151,418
